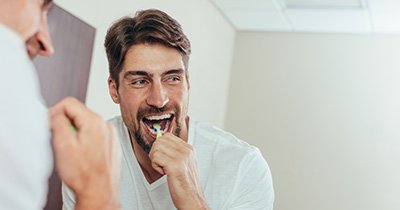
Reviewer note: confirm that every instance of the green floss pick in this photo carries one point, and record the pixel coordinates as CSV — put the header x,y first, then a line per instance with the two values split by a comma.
x,y
157,128
73,128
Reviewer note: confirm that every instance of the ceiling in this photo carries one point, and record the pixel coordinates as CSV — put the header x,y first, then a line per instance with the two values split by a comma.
x,y
330,16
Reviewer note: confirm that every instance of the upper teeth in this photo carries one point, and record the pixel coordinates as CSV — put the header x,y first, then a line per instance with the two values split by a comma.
x,y
161,117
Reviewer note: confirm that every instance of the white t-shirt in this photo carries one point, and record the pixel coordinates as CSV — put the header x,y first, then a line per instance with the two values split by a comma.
x,y
233,174
25,150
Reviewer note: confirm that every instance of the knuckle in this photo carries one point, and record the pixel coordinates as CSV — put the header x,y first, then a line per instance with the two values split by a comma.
x,y
187,150
156,155
190,148
95,116
70,100
54,118
156,145
153,153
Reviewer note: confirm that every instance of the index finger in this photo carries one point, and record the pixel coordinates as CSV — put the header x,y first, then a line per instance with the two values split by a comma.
x,y
75,110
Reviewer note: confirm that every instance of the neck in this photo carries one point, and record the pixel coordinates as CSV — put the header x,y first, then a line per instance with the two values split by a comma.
x,y
144,161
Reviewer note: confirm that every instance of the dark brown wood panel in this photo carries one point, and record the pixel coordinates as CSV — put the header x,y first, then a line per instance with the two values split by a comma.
x,y
66,73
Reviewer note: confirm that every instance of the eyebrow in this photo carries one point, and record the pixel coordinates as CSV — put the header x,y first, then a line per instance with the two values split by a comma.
x,y
173,71
144,73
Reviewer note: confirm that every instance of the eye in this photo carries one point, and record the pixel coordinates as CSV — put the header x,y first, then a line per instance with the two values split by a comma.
x,y
138,83
173,79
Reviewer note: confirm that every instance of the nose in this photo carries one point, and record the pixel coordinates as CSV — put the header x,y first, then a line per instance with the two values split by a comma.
x,y
158,96
43,39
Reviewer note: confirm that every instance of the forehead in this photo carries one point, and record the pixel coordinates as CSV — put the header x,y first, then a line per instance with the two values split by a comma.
x,y
152,58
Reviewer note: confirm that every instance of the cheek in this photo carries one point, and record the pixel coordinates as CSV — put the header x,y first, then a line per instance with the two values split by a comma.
x,y
129,115
130,107
185,95
182,98
32,18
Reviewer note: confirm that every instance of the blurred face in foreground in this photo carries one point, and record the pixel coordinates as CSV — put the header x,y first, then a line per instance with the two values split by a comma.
x,y
28,18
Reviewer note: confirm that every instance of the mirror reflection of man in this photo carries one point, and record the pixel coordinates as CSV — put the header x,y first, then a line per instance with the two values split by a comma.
x,y
172,161
87,161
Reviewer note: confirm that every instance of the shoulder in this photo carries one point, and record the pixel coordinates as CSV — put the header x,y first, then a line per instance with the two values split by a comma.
x,y
211,134
223,145
220,155
118,123
121,131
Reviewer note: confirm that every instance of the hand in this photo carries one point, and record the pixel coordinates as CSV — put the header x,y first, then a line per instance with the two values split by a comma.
x,y
88,161
175,158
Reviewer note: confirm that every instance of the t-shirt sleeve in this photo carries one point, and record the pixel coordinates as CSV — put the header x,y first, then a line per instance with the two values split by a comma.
x,y
254,189
68,198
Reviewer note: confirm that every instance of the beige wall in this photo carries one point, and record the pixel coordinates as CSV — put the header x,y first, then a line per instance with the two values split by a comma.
x,y
325,111
212,41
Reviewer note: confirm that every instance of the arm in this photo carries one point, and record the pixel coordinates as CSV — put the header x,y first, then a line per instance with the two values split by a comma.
x,y
175,158
87,161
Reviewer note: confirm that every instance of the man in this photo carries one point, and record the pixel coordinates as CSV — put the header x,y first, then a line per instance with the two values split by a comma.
x,y
87,161
172,161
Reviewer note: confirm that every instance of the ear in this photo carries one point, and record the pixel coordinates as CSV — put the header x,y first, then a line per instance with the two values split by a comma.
x,y
112,89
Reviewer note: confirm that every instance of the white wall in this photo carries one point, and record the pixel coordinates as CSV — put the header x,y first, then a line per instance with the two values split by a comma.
x,y
325,111
212,40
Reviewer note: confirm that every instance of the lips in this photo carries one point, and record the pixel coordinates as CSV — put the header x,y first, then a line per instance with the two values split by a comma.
x,y
164,120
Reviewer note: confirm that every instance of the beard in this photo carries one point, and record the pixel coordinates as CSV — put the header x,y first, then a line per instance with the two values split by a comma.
x,y
138,134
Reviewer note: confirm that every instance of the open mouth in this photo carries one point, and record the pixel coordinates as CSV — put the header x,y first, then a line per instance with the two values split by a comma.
x,y
165,122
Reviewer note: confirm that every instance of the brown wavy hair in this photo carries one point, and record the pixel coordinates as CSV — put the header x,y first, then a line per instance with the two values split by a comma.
x,y
150,26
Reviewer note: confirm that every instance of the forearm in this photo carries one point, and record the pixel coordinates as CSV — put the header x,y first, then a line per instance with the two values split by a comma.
x,y
195,204
193,198
97,203
96,206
